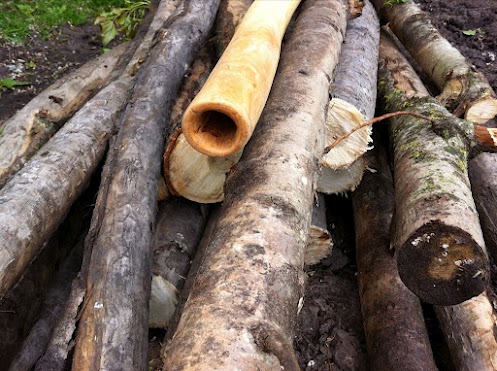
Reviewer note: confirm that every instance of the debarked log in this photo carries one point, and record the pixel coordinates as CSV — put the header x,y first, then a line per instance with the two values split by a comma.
x,y
436,232
180,224
245,297
469,329
113,329
395,331
353,103
33,125
222,117
464,90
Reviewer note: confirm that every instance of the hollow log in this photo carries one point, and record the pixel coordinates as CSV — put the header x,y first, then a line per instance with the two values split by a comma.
x,y
222,117
244,300
469,329
188,172
436,232
113,329
33,125
353,103
396,335
180,224
464,90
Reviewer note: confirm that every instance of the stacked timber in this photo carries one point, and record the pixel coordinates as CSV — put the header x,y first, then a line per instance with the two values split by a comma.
x,y
266,115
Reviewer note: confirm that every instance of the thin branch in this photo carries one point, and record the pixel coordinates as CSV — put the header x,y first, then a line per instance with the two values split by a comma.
x,y
374,121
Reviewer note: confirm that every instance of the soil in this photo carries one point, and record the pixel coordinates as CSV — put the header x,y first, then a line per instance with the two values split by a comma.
x,y
329,333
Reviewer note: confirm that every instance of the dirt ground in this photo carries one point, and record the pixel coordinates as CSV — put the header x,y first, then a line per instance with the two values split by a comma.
x,y
329,334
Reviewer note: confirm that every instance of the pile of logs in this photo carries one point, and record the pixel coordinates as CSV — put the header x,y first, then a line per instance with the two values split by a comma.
x,y
206,140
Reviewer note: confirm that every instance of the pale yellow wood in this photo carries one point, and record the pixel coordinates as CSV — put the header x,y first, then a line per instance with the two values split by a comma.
x,y
222,117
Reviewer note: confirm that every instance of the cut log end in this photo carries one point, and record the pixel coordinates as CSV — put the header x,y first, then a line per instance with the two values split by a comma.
x,y
481,110
442,264
215,131
342,180
319,245
196,176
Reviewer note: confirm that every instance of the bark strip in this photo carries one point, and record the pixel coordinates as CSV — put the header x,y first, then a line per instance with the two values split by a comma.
x,y
464,90
437,236
393,320
114,321
242,307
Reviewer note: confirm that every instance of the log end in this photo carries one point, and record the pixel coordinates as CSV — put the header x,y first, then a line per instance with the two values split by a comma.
x,y
319,245
342,180
163,301
481,110
196,176
442,264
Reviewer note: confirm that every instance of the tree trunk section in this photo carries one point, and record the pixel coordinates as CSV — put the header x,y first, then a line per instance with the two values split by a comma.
x,y
393,320
33,125
436,232
464,90
353,103
241,309
469,329
114,322
180,224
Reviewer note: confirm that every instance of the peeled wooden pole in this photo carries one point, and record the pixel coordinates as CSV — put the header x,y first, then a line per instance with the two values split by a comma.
x,y
353,103
436,233
393,319
242,306
222,117
464,90
469,329
113,328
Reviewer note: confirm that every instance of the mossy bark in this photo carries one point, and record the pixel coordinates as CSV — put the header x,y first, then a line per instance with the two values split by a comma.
x,y
393,319
437,236
464,90
242,306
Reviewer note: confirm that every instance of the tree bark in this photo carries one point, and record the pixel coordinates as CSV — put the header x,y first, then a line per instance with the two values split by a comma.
x,y
437,236
222,117
114,321
464,90
180,224
353,103
469,330
33,125
393,319
242,307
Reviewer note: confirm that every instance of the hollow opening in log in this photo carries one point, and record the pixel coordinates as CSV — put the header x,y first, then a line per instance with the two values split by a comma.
x,y
442,264
216,132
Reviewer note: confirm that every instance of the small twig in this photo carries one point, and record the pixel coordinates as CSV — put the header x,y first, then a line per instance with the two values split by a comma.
x,y
374,121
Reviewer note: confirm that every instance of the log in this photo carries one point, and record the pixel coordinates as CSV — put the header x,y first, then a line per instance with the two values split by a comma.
x,y
222,117
113,329
33,125
180,224
188,172
35,343
396,335
353,103
242,306
464,90
319,243
469,329
54,178
436,232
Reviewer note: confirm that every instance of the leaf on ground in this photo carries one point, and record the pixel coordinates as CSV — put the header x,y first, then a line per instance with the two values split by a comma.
x,y
10,83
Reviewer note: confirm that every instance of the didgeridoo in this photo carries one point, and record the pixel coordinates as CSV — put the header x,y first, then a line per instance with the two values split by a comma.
x,y
221,118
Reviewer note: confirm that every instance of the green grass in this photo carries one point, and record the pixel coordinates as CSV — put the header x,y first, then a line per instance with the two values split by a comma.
x,y
21,18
